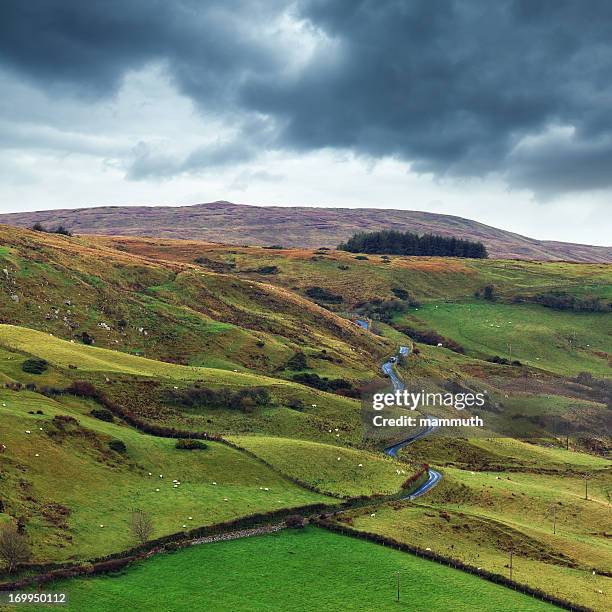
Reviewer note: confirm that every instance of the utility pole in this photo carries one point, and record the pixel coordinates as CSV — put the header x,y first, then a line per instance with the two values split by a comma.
x,y
510,351
398,586
586,486
554,509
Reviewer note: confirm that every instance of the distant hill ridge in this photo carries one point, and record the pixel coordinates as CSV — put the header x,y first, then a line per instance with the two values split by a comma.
x,y
296,227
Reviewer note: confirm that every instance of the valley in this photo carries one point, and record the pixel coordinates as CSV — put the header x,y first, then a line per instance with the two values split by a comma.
x,y
255,354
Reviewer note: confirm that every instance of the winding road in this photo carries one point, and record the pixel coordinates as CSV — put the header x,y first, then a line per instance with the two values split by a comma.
x,y
391,451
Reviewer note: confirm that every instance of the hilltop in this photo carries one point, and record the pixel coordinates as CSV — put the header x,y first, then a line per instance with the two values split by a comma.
x,y
296,227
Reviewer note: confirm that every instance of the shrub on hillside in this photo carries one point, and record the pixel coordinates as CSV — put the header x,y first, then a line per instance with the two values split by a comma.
x,y
431,338
245,400
339,385
295,404
118,446
384,310
34,366
83,388
189,444
103,414
87,338
297,361
267,270
320,294
294,521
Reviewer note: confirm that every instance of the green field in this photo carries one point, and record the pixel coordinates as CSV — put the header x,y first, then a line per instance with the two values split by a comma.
x,y
561,342
67,483
291,570
163,326
339,471
477,517
69,361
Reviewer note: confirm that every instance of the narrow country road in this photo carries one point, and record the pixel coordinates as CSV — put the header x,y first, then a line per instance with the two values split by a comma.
x,y
391,451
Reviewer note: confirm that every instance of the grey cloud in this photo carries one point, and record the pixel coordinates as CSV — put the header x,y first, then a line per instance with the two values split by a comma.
x,y
452,87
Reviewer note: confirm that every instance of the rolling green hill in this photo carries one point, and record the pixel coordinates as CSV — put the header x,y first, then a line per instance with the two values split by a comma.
x,y
155,332
328,571
76,494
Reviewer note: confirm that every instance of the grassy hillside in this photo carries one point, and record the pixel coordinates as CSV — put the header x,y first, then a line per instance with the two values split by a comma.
x,y
171,311
63,478
155,331
139,384
478,516
423,277
324,570
339,471
562,342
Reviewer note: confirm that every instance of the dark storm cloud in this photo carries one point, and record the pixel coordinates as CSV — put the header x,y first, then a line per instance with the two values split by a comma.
x,y
457,88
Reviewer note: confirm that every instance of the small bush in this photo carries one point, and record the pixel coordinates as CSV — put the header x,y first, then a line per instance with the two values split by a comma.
x,y
361,257
103,414
431,338
87,338
296,404
323,295
34,366
118,446
82,388
295,521
189,444
297,361
267,270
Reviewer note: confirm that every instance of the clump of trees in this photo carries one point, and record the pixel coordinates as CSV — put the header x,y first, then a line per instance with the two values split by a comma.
x,y
333,385
297,361
244,400
267,270
560,300
487,292
394,242
190,444
14,546
600,389
118,446
503,361
60,229
103,414
384,310
34,366
431,338
215,266
320,294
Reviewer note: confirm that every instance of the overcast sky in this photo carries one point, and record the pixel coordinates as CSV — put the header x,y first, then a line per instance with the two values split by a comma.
x,y
500,111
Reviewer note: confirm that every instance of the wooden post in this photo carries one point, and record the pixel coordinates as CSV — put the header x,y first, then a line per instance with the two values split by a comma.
x,y
398,586
510,564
